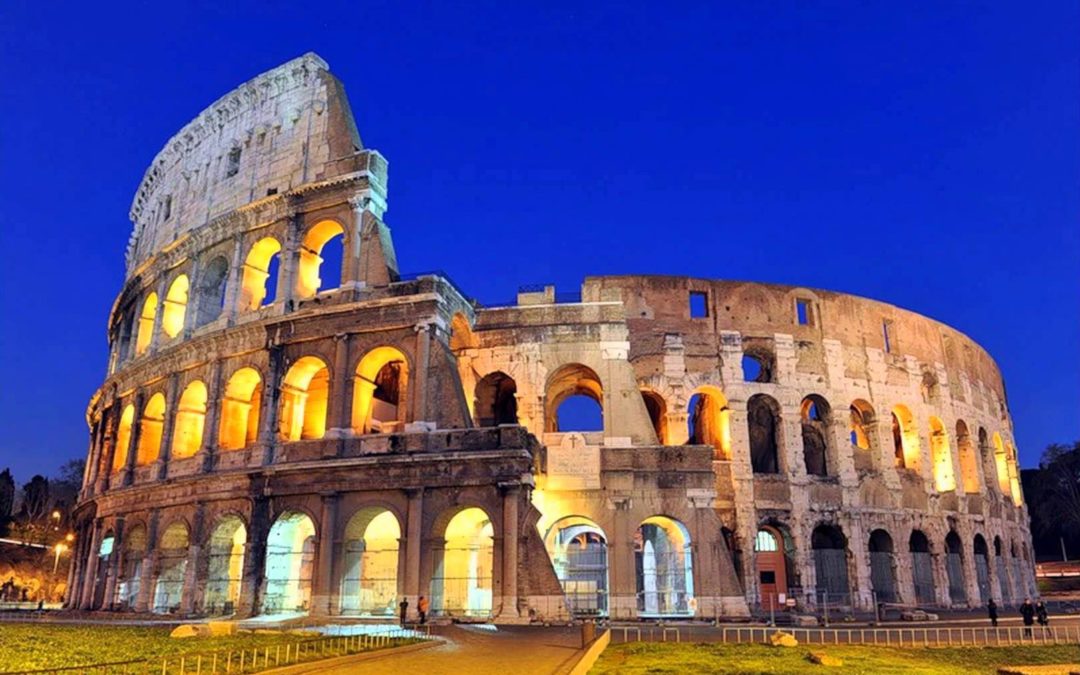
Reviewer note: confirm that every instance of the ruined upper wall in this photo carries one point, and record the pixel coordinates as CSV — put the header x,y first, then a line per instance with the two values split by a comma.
x,y
289,126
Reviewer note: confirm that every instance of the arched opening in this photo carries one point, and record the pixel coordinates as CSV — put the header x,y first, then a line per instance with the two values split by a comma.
x,y
731,541
1001,463
905,439
1001,567
657,409
369,583
304,393
709,422
462,583
578,387
922,568
104,554
941,456
123,438
763,417
882,566
496,400
863,436
380,391
175,309
1014,476
319,267
1020,586
982,568
814,413
146,324
771,562
578,550
757,366
151,427
210,291
225,571
258,283
969,463
189,422
240,410
830,564
461,334
290,563
665,573
954,566
172,566
130,568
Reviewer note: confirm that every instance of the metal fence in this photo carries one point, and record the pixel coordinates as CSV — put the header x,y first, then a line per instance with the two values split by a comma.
x,y
249,660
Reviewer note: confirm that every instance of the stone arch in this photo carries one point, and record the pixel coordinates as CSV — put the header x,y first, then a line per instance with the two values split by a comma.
x,y
146,324
830,564
1001,464
151,428
969,462
462,583
763,421
496,400
882,566
189,420
578,547
305,391
941,457
173,545
174,310
210,291
369,582
905,438
461,333
665,573
240,407
572,379
130,569
121,446
1014,476
773,562
258,283
982,567
954,568
311,259
227,547
709,421
380,391
656,406
922,568
290,563
815,414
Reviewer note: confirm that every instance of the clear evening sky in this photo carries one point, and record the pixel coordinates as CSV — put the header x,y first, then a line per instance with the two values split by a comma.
x,y
926,154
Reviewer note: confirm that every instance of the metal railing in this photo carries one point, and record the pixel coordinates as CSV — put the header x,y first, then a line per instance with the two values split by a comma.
x,y
249,659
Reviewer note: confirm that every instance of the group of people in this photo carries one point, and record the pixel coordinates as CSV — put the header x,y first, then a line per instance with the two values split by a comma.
x,y
1030,613
422,606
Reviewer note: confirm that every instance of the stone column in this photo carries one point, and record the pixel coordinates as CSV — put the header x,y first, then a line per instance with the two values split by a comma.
x,y
263,452
423,357
413,537
90,578
324,574
254,557
622,575
290,262
155,333
191,309
678,431
351,263
111,427
133,438
148,575
113,570
167,428
214,400
235,281
337,422
511,543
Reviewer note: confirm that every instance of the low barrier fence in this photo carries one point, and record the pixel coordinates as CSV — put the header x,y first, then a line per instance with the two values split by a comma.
x,y
248,659
881,637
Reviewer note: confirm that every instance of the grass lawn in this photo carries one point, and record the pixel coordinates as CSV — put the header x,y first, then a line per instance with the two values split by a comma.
x,y
654,658
31,646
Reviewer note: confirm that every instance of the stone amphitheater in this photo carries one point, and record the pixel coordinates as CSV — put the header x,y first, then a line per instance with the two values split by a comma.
x,y
291,425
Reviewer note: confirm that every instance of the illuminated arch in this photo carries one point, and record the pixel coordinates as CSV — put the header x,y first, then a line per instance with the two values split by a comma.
x,y
862,420
1014,476
665,573
305,391
578,550
172,563
240,410
189,422
175,308
656,406
146,324
969,462
369,582
308,281
151,428
814,413
905,438
462,583
941,456
496,400
130,568
255,283
380,391
709,421
225,569
461,334
1001,464
123,437
572,379
290,564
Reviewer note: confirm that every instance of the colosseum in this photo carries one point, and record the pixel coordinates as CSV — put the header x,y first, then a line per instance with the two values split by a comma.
x,y
290,425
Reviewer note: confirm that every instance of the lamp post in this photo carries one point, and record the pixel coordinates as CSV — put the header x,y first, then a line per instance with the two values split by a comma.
x,y
59,548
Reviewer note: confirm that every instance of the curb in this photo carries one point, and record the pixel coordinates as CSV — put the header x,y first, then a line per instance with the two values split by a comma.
x,y
589,655
321,664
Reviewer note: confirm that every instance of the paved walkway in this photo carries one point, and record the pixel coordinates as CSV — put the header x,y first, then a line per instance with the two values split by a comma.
x,y
509,650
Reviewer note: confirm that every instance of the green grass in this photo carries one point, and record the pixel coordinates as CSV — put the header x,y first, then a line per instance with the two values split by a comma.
x,y
652,658
32,646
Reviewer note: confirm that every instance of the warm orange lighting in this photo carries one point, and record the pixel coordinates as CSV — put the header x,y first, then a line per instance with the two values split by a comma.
x,y
123,437
941,456
190,418
151,427
146,323
304,392
240,410
308,281
253,285
379,388
176,300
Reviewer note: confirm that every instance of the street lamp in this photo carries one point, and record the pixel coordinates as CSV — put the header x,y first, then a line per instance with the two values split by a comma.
x,y
59,548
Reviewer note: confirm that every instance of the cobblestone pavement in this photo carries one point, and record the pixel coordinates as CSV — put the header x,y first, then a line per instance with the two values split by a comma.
x,y
509,650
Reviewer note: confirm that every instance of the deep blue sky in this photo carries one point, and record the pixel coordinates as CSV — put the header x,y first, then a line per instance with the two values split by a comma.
x,y
925,154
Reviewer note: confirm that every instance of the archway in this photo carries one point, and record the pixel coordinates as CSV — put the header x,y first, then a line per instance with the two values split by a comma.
x,y
146,324
882,566
462,583
189,422
954,567
982,568
123,438
770,561
586,409
657,409
1002,568
665,576
763,417
830,564
210,291
129,580
1001,464
941,456
225,572
369,583
709,421
863,438
814,413
240,410
922,568
105,553
258,286
304,393
969,462
496,400
175,309
905,438
320,259
578,550
380,391
151,428
172,566
290,563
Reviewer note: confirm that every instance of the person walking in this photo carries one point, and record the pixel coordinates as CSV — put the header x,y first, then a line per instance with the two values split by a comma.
x,y
404,607
991,609
422,605
1041,614
1027,611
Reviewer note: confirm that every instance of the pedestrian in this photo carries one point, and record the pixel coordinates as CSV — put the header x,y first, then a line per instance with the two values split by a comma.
x,y
422,606
404,607
1027,611
991,609
1041,615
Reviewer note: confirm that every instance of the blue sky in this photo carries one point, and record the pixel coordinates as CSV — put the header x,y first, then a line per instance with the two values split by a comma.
x,y
925,154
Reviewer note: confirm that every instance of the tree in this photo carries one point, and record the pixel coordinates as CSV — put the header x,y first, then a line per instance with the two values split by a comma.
x,y
1053,494
65,487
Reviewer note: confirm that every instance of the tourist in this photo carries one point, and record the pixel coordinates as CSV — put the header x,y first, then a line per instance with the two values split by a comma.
x,y
1041,615
991,609
404,607
1027,610
422,606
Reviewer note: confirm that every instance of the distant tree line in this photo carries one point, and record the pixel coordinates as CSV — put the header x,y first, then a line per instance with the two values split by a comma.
x,y
1052,492
40,511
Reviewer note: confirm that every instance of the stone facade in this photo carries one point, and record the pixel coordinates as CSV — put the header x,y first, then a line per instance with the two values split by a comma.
x,y
268,439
